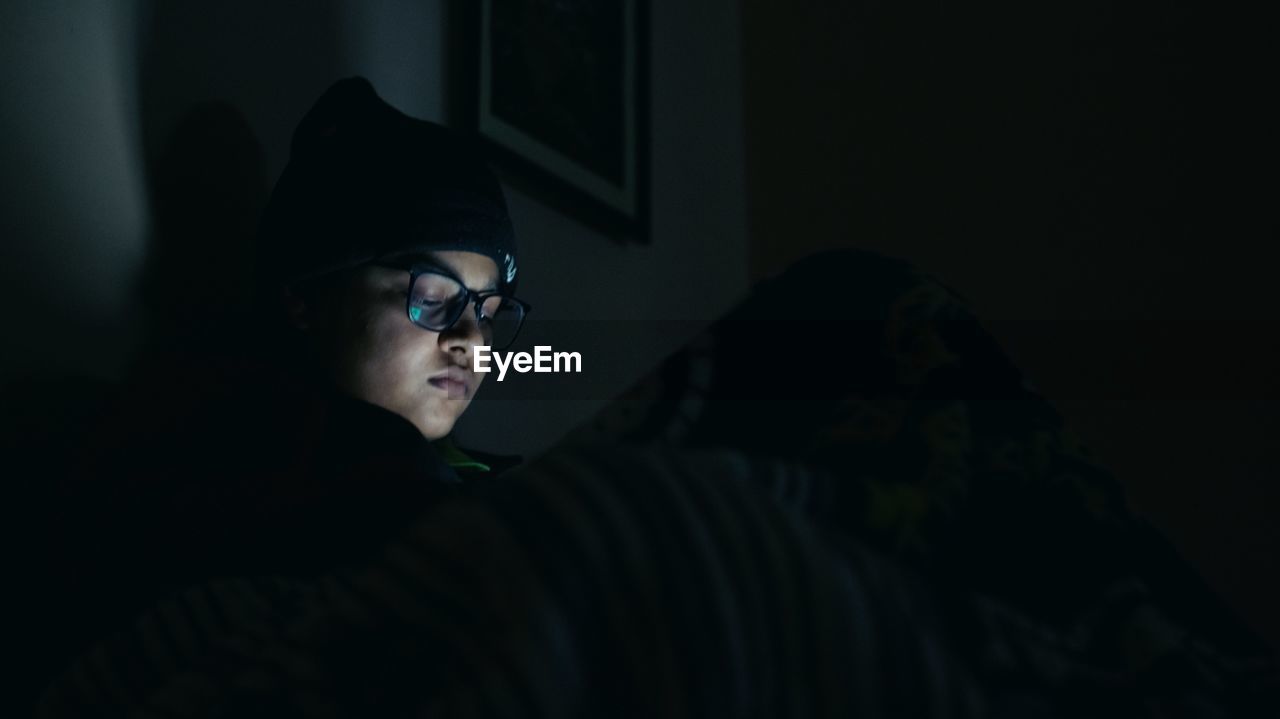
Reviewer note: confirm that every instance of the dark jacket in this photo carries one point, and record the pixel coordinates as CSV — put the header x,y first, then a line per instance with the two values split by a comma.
x,y
213,467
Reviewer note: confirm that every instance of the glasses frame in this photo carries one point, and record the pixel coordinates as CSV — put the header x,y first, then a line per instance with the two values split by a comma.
x,y
474,299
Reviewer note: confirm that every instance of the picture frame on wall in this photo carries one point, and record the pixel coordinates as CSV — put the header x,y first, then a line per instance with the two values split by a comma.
x,y
558,92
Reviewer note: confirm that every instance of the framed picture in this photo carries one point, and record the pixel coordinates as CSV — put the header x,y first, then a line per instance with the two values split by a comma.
x,y
560,96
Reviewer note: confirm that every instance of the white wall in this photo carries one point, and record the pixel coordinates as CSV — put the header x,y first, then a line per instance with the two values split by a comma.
x,y
697,262
84,118
72,209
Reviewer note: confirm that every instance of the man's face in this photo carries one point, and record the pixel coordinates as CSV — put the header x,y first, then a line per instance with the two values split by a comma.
x,y
379,356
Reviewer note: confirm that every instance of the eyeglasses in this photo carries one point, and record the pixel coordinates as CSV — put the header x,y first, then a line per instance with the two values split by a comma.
x,y
437,299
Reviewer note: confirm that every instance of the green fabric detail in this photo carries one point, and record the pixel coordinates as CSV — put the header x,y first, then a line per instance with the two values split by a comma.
x,y
455,457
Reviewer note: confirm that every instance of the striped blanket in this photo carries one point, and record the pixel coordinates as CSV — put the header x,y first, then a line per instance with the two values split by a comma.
x,y
620,581
593,583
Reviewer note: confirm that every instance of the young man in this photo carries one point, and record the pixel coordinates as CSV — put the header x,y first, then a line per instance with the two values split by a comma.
x,y
386,256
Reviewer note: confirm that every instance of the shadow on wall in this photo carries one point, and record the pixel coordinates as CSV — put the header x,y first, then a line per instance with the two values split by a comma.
x,y
203,71
208,188
97,96
270,60
139,179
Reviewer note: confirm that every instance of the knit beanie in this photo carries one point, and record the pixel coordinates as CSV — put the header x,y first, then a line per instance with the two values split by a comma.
x,y
365,181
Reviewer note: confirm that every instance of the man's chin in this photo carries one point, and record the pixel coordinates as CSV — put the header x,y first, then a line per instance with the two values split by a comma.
x,y
434,431
439,422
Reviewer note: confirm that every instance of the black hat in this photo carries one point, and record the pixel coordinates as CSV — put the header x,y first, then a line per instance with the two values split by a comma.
x,y
365,181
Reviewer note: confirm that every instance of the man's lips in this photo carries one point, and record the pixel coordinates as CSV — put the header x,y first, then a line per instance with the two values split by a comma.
x,y
454,381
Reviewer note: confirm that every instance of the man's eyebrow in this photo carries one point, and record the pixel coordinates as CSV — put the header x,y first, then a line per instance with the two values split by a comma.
x,y
458,276
428,260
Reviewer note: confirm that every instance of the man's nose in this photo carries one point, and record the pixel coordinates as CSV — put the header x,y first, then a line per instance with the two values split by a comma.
x,y
465,333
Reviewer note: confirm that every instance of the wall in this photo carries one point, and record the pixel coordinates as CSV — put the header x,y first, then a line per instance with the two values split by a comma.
x,y
95,94
697,263
73,215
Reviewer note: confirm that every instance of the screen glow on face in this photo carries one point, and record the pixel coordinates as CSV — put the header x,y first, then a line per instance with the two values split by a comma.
x,y
437,300
420,372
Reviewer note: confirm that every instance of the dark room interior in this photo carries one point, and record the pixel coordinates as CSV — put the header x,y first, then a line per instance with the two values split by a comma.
x,y
1088,187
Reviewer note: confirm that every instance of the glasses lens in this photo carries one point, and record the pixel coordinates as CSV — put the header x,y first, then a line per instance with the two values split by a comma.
x,y
503,317
435,301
